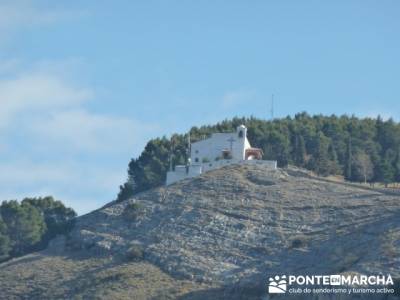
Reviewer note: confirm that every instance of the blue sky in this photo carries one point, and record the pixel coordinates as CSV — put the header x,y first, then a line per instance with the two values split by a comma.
x,y
84,84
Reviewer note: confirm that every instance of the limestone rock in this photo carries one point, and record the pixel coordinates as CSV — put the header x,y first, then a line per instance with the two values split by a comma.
x,y
244,221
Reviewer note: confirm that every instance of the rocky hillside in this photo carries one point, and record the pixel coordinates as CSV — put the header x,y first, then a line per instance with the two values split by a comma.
x,y
220,235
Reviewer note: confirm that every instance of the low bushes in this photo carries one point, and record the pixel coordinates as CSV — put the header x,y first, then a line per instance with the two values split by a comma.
x,y
133,211
299,241
135,252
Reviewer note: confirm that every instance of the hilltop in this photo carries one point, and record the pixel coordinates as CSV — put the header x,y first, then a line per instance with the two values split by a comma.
x,y
360,149
218,236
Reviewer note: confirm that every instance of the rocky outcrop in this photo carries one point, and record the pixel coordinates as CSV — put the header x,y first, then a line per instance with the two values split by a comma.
x,y
237,225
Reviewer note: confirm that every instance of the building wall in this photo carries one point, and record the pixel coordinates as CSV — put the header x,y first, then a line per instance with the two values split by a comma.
x,y
270,164
182,172
197,169
218,164
210,149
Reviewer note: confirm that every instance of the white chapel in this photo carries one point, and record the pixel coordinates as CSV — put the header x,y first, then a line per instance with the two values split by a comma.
x,y
219,150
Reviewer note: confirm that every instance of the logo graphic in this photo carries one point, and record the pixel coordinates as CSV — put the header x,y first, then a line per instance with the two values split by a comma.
x,y
335,280
338,283
277,285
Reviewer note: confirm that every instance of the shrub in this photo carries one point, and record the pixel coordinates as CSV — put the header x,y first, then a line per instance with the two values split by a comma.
x,y
299,242
135,252
133,211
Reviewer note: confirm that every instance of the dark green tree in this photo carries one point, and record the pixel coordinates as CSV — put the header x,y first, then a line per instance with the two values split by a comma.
x,y
397,167
334,167
25,226
300,152
287,140
320,159
29,225
384,172
349,160
59,219
5,245
278,149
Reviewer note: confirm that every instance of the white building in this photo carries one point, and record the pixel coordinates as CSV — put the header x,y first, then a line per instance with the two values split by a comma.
x,y
219,150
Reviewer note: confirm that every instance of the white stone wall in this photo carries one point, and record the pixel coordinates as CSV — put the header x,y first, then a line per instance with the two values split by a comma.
x,y
197,169
218,164
271,164
181,172
211,148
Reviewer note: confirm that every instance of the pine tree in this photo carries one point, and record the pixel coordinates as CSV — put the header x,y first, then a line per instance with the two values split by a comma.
x,y
280,148
286,140
59,219
300,153
384,172
334,167
29,225
349,160
5,245
397,167
320,162
25,226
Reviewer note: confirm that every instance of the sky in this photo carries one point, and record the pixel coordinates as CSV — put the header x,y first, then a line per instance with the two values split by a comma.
x,y
85,84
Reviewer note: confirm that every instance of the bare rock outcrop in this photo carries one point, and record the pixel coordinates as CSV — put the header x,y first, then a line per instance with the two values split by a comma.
x,y
237,225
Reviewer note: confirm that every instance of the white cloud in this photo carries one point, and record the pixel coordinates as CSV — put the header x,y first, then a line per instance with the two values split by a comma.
x,y
7,66
42,102
31,174
36,92
44,113
51,143
16,15
81,130
27,13
83,186
24,172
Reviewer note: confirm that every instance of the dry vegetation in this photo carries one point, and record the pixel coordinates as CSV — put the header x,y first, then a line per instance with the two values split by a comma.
x,y
217,236
50,276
